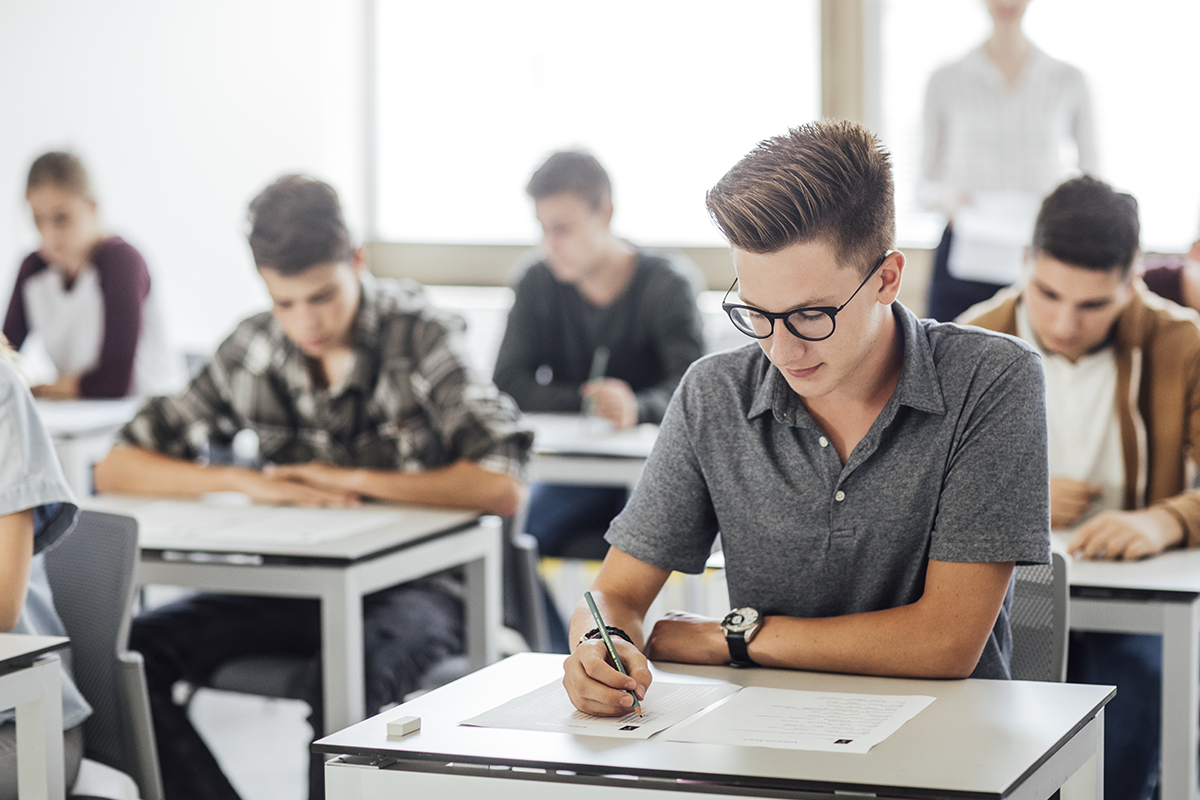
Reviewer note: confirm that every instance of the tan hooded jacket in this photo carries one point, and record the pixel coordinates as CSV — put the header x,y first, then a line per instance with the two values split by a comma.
x,y
1158,398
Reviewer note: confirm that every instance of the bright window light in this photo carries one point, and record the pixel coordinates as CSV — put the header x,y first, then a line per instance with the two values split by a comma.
x,y
668,94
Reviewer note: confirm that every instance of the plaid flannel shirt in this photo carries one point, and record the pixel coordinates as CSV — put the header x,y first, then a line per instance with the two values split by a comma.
x,y
408,401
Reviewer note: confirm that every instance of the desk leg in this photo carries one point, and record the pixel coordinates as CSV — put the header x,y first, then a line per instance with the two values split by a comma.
x,y
1180,698
40,735
483,605
342,649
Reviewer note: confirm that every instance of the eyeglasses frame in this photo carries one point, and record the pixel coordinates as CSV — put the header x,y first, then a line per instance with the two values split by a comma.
x,y
830,311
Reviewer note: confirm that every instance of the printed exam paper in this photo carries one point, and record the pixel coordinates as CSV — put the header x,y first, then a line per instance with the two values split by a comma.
x,y
834,722
549,709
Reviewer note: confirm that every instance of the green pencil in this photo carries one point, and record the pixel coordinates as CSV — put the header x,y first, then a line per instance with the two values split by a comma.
x,y
612,650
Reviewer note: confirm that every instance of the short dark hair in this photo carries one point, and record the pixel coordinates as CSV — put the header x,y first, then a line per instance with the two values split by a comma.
x,y
829,180
573,171
1086,224
296,223
61,169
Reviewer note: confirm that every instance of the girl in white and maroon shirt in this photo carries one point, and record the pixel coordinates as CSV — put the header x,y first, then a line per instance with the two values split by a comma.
x,y
86,295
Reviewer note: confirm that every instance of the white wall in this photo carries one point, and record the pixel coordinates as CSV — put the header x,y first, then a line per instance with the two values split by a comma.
x,y
182,112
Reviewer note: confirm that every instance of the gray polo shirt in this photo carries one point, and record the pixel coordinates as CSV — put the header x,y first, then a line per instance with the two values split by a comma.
x,y
953,469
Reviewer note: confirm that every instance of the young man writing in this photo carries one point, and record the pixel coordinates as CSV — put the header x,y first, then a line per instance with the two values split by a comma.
x,y
356,390
592,290
874,477
1123,404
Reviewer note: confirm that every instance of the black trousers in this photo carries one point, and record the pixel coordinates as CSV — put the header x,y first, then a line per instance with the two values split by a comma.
x,y
948,295
406,630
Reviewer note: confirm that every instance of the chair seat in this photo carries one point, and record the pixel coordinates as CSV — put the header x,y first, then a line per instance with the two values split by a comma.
x,y
270,676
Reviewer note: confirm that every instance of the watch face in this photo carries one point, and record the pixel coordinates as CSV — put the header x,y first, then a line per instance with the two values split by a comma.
x,y
740,619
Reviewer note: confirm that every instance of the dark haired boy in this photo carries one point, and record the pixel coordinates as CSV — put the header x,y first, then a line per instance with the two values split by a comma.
x,y
874,477
356,390
589,290
1123,406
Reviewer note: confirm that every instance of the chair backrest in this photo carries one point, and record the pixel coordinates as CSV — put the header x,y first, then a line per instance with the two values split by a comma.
x,y
92,578
1039,621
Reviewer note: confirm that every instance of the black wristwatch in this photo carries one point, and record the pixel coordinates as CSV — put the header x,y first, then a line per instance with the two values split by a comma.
x,y
740,625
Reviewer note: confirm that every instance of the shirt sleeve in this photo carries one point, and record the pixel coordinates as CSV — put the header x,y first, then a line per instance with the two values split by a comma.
x,y
124,287
16,322
473,419
30,475
528,344
180,425
679,339
998,509
670,520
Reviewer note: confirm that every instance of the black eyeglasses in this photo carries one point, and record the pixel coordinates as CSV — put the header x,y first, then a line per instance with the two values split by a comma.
x,y
813,324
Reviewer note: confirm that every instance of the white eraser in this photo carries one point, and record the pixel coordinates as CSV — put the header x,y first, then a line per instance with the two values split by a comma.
x,y
403,726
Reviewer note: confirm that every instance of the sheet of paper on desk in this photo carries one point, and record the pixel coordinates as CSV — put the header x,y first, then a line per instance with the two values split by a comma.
x,y
800,720
215,522
549,709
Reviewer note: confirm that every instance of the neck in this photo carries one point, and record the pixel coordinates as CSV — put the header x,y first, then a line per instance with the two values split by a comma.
x,y
1008,48
609,279
848,413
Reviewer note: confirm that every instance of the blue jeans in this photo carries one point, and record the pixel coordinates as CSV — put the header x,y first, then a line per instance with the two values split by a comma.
x,y
559,513
1132,721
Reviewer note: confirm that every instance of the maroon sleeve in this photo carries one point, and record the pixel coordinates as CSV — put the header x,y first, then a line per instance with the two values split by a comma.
x,y
1166,281
124,286
16,325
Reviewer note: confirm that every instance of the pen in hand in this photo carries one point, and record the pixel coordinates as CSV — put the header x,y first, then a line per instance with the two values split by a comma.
x,y
612,650
599,367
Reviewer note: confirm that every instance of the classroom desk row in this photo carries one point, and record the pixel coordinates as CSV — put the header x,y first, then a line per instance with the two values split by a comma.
x,y
1160,595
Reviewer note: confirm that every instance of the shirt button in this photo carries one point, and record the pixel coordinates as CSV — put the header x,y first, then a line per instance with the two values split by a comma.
x,y
840,496
824,442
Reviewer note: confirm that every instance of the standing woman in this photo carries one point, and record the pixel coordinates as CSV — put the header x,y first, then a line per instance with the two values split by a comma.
x,y
86,295
36,510
995,124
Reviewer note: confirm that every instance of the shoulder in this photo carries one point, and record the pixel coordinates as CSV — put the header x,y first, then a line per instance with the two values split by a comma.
x,y
969,355
533,274
253,346
116,253
1165,326
12,385
728,377
997,314
670,271
1058,70
955,70
32,265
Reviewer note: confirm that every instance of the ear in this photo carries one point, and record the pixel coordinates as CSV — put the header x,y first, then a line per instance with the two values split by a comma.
x,y
358,259
892,273
606,212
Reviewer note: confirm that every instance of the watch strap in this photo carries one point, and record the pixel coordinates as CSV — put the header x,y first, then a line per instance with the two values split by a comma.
x,y
739,649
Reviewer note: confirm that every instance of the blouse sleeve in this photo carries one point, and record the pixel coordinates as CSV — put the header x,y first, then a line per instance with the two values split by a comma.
x,y
124,287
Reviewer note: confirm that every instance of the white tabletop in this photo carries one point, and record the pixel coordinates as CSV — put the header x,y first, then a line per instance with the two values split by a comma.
x,y
977,736
1172,571
20,649
573,434
69,419
231,524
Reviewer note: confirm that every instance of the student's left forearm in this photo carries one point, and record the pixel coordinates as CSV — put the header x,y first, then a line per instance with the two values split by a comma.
x,y
463,484
941,635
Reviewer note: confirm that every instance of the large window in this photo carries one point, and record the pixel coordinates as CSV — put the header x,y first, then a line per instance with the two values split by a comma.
x,y
1140,63
668,94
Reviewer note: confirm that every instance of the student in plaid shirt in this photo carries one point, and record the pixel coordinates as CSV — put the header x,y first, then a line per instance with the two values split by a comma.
x,y
356,390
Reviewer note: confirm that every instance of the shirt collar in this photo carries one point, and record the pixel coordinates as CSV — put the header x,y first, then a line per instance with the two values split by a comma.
x,y
918,387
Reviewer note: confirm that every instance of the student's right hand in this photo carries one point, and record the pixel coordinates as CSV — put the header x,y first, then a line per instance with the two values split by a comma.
x,y
1070,500
594,684
266,488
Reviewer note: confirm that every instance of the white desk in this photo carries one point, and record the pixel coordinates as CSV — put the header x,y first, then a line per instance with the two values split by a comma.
x,y
979,739
1158,595
31,682
337,556
83,431
571,449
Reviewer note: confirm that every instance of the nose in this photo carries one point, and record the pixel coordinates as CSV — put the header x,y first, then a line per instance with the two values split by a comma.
x,y
1066,322
785,348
